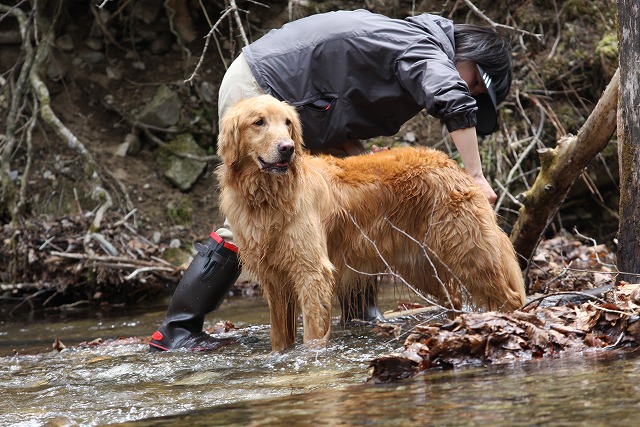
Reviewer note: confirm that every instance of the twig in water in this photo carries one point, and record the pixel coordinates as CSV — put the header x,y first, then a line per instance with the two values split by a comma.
x,y
556,294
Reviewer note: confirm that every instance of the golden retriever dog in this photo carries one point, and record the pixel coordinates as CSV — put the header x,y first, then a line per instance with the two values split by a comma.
x,y
310,227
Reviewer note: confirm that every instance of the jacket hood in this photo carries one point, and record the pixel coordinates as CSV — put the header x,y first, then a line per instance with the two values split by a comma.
x,y
438,26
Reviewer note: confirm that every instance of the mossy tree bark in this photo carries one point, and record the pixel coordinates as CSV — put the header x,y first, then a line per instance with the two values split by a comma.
x,y
629,140
559,168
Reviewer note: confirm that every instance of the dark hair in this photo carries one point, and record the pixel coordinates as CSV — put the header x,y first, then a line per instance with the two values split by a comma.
x,y
489,50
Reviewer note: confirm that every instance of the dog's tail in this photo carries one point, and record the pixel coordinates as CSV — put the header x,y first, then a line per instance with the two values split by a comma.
x,y
478,256
513,280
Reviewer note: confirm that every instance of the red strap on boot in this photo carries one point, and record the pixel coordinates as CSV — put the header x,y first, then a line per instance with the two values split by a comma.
x,y
227,245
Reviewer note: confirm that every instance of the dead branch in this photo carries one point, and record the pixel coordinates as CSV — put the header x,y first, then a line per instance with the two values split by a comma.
x,y
232,9
493,24
558,295
30,72
236,17
413,312
113,260
46,112
560,167
206,46
7,193
22,200
535,140
101,23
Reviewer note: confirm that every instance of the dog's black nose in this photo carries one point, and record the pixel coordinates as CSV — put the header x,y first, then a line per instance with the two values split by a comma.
x,y
285,148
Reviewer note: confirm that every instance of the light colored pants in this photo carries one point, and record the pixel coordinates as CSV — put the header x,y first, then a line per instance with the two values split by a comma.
x,y
225,232
237,84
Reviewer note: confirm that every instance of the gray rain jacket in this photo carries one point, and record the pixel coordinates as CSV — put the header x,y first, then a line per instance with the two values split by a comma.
x,y
358,75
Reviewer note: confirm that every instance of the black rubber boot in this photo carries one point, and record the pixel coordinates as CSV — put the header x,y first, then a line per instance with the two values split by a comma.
x,y
201,290
361,305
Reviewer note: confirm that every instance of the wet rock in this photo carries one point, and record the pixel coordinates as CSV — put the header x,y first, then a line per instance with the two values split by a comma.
x,y
181,171
163,110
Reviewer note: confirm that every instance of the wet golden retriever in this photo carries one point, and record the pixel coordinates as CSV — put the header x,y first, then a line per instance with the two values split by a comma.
x,y
309,227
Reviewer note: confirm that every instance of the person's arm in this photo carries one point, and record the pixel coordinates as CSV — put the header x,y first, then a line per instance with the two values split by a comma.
x,y
466,142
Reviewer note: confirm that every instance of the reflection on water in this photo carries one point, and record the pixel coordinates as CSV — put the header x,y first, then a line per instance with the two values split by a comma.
x,y
565,392
244,384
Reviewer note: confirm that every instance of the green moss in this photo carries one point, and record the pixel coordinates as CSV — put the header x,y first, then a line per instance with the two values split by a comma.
x,y
608,52
200,123
180,211
575,9
182,143
176,256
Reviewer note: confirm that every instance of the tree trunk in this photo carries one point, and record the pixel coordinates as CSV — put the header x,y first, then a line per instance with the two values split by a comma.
x,y
559,168
629,140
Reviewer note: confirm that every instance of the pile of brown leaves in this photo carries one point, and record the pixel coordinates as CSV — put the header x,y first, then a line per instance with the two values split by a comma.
x,y
534,332
564,263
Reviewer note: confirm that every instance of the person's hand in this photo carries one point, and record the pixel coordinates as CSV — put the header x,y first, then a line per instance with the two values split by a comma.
x,y
466,142
376,149
486,188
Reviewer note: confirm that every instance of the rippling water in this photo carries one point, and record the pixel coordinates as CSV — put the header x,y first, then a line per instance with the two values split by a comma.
x,y
245,384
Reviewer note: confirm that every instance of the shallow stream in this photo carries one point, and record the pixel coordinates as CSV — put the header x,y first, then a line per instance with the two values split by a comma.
x,y
245,385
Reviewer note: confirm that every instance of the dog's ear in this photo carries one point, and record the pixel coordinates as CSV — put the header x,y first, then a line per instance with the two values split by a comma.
x,y
229,138
296,129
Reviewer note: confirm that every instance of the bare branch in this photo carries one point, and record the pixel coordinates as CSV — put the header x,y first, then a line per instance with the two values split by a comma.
x,y
206,45
236,16
478,12
560,167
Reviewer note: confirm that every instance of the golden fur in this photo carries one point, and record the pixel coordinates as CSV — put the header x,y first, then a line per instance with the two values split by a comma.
x,y
308,227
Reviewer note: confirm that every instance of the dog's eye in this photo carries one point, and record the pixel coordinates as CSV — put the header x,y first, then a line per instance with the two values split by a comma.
x,y
288,122
259,122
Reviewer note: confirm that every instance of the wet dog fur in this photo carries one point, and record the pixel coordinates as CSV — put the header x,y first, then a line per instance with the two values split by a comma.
x,y
310,227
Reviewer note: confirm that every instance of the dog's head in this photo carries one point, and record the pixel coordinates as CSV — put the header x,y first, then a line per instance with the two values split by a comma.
x,y
263,131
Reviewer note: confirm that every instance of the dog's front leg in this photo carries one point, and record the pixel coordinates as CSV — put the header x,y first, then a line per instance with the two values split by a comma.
x,y
314,297
282,310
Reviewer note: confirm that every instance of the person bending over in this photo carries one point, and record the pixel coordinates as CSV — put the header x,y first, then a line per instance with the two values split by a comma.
x,y
351,75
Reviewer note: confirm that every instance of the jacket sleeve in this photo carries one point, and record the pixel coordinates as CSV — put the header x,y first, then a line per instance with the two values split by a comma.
x,y
425,71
